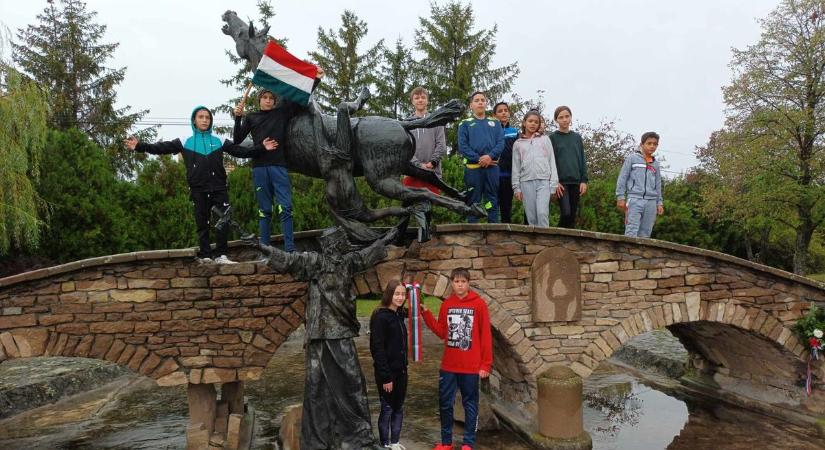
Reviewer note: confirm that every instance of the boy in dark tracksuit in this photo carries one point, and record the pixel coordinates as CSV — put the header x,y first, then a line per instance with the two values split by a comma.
x,y
571,165
203,157
269,171
464,325
505,162
480,142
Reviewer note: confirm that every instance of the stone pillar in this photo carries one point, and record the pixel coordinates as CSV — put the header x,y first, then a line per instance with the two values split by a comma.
x,y
202,409
560,411
232,394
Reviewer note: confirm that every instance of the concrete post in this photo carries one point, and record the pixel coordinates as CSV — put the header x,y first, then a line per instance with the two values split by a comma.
x,y
560,411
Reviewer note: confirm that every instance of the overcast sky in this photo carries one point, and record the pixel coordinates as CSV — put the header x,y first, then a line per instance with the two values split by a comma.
x,y
648,64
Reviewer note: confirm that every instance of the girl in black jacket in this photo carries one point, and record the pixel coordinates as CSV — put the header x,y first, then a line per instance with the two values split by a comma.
x,y
388,345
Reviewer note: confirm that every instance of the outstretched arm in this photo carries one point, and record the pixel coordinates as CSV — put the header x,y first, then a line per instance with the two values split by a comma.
x,y
371,255
299,265
160,148
240,151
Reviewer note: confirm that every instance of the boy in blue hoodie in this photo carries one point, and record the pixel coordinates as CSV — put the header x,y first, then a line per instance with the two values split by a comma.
x,y
640,181
480,142
203,157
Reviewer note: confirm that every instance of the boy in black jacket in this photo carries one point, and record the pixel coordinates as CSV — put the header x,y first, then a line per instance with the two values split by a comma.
x,y
203,157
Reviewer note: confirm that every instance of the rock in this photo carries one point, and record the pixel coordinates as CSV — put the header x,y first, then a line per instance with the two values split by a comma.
x,y
290,434
32,382
487,420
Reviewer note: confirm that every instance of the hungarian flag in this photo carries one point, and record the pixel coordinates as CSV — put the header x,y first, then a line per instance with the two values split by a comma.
x,y
284,74
415,332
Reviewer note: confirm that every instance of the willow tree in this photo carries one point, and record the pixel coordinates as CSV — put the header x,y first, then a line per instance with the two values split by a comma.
x,y
776,121
23,135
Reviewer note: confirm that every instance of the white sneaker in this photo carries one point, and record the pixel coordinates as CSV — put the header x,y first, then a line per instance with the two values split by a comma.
x,y
397,446
205,261
224,260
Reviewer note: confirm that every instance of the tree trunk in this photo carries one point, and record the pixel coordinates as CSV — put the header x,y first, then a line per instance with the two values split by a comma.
x,y
804,232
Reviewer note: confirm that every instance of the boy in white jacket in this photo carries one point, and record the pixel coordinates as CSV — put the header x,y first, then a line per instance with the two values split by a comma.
x,y
534,174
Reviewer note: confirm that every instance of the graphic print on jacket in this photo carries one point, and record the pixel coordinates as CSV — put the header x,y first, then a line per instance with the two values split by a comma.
x,y
460,328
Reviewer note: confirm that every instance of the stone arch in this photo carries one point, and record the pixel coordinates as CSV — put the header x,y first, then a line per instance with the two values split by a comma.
x,y
750,320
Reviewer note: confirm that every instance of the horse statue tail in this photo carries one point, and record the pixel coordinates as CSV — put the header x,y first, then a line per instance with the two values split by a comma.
x,y
445,114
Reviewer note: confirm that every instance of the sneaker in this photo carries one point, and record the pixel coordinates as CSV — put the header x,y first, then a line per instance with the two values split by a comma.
x,y
396,446
205,261
440,446
224,260
466,447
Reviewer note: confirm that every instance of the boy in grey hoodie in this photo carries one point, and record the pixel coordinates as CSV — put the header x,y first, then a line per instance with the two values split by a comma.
x,y
640,182
430,148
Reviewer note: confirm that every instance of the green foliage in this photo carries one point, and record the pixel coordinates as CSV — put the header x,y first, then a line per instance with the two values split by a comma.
x,y
23,135
346,70
814,320
770,157
397,77
457,59
63,51
87,217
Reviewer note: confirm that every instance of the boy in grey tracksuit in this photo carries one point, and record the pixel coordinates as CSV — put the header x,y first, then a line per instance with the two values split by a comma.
x,y
640,182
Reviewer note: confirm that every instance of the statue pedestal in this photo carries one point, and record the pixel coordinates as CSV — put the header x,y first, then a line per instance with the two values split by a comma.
x,y
560,411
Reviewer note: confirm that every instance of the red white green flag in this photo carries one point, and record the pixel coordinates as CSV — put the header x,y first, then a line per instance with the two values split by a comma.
x,y
284,74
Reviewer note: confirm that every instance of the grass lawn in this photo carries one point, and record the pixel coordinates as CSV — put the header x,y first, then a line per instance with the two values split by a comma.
x,y
365,306
817,276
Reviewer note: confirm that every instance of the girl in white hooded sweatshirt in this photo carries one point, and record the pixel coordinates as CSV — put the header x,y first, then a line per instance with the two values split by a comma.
x,y
534,174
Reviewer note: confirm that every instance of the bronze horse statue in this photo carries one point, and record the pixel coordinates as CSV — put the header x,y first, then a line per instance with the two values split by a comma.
x,y
377,148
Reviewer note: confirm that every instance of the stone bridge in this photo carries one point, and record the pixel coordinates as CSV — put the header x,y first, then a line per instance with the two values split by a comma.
x,y
555,297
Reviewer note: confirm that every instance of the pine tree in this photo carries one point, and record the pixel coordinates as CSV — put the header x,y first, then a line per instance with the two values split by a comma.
x,y
398,76
63,52
346,70
457,60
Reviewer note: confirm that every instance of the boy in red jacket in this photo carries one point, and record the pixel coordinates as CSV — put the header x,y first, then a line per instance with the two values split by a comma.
x,y
464,325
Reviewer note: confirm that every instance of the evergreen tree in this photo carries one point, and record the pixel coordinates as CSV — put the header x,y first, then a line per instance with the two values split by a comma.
x,y
457,60
346,70
397,78
23,133
63,52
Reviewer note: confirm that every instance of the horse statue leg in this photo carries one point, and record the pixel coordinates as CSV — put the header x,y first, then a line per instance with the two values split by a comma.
x,y
391,186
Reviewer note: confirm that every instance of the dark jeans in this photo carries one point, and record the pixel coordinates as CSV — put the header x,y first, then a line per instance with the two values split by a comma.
x,y
569,205
505,198
392,411
448,383
204,201
484,182
272,183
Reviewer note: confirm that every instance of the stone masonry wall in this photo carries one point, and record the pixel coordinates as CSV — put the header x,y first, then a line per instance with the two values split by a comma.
x,y
169,318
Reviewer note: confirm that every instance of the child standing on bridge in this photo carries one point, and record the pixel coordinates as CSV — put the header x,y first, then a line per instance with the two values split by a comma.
x,y
464,325
203,156
480,142
640,181
534,176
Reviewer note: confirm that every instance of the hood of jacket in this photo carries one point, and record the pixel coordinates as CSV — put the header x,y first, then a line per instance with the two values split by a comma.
x,y
202,142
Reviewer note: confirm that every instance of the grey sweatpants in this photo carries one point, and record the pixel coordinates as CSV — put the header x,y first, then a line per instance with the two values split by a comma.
x,y
536,202
641,214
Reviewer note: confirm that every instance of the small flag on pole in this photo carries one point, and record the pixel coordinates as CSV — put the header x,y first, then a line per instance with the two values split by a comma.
x,y
415,330
284,74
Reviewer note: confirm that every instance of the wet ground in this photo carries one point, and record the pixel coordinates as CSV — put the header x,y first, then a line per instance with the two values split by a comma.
x,y
621,412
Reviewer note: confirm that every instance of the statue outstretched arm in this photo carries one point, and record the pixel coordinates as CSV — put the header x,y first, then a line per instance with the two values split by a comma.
x,y
368,257
299,265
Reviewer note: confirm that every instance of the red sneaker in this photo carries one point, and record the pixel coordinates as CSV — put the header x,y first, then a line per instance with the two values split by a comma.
x,y
466,447
441,446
